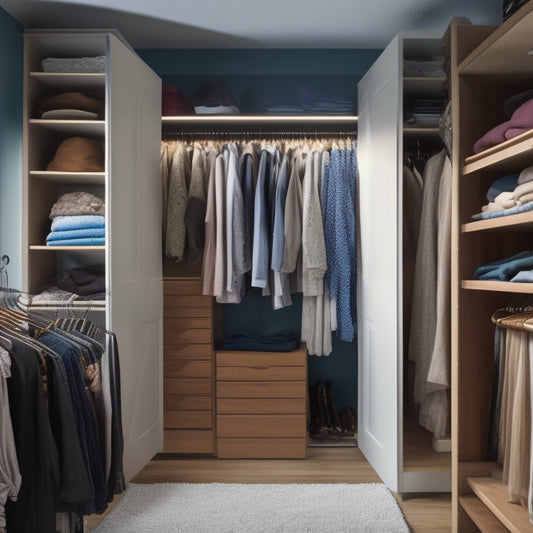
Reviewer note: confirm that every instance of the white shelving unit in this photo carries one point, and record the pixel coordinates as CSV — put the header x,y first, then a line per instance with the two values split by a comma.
x,y
130,133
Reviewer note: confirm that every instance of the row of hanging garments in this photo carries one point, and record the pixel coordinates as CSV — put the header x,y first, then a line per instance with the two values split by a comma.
x,y
510,441
269,217
61,442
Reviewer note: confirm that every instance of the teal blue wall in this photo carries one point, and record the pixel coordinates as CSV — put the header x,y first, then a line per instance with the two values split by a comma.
x,y
11,145
264,75
276,76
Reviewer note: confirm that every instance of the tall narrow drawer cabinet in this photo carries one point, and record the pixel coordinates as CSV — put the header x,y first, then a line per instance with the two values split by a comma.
x,y
188,367
261,407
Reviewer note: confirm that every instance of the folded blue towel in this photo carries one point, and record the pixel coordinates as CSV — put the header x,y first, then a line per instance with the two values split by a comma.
x,y
282,341
507,268
505,183
76,234
68,222
528,206
78,242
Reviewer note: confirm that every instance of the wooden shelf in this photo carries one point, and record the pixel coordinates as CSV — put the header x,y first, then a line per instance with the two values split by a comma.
x,y
495,495
493,55
71,127
500,286
307,124
514,153
70,81
499,223
66,248
70,178
477,511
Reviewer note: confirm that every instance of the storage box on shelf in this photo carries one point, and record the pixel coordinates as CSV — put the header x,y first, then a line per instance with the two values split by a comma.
x,y
492,64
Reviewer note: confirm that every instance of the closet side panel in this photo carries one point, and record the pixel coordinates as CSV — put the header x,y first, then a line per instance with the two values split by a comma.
x,y
380,276
134,247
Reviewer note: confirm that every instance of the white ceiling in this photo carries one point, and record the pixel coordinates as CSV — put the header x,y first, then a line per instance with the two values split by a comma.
x,y
253,23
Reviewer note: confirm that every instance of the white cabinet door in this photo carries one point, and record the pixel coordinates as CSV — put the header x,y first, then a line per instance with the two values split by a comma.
x,y
380,274
134,247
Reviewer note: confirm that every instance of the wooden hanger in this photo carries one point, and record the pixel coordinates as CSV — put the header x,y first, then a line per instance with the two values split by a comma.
x,y
511,319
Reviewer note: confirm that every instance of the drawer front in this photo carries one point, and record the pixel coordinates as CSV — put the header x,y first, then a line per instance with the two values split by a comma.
x,y
189,402
260,373
266,389
271,448
261,426
189,322
187,386
188,301
262,359
261,406
187,369
189,441
182,286
188,419
187,336
200,352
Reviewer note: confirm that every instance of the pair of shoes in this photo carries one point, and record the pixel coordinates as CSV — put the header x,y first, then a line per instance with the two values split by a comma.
x,y
348,421
324,420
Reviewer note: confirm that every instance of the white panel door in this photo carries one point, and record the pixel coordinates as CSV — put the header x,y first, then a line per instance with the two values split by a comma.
x,y
379,390
134,248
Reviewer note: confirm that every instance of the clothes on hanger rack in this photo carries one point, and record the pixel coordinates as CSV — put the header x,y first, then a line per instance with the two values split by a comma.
x,y
64,400
429,336
274,216
510,442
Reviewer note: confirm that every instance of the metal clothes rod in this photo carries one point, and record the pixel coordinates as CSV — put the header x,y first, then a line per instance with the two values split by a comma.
x,y
259,133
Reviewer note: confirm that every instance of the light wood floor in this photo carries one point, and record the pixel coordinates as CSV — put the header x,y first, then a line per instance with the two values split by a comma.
x,y
424,513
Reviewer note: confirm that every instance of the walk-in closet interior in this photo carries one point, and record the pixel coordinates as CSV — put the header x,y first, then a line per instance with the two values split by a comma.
x,y
258,251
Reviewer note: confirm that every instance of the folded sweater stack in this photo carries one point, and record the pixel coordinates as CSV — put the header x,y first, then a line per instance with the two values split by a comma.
x,y
509,195
517,268
77,220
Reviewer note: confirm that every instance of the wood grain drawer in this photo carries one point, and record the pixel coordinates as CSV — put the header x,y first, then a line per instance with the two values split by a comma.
x,y
189,322
187,369
177,311
262,359
189,441
187,386
261,426
270,448
187,336
188,419
189,301
182,286
261,373
266,406
187,402
258,389
195,352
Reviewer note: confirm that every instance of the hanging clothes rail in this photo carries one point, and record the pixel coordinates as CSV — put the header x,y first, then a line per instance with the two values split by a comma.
x,y
270,217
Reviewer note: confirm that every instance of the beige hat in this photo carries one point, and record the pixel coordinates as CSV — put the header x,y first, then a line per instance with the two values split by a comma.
x,y
78,154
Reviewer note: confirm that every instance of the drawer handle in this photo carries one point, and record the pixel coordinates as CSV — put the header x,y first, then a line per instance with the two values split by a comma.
x,y
260,367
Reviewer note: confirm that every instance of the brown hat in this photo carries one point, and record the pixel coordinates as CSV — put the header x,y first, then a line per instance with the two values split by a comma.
x,y
78,154
72,101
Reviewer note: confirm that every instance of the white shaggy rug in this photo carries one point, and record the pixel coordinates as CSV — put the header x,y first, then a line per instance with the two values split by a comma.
x,y
256,508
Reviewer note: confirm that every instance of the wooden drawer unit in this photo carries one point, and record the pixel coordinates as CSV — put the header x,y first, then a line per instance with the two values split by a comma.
x,y
261,404
188,367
